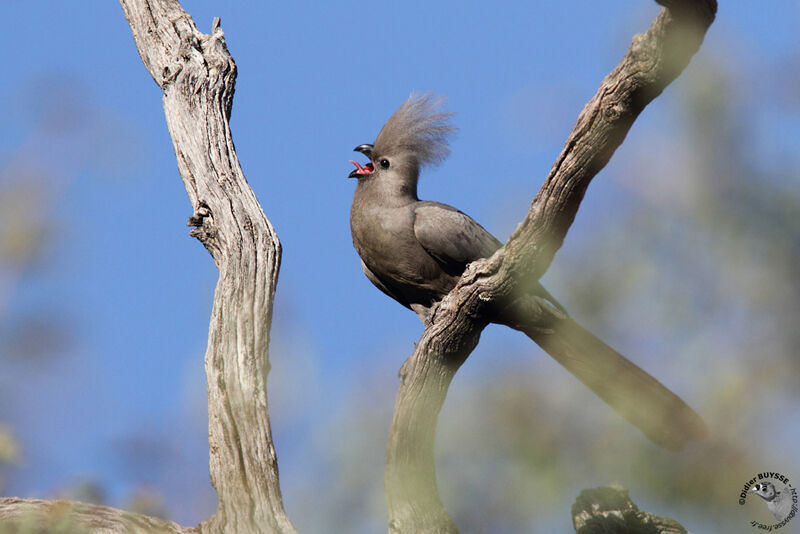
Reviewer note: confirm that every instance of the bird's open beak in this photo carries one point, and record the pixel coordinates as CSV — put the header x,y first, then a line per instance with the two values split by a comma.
x,y
362,169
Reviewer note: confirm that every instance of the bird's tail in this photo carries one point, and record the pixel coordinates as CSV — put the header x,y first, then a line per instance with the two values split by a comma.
x,y
633,393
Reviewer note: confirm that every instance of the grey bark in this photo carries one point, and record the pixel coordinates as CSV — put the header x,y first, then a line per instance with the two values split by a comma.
x,y
653,60
197,75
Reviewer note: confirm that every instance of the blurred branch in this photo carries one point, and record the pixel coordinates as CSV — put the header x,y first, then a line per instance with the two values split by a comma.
x,y
33,515
609,510
653,60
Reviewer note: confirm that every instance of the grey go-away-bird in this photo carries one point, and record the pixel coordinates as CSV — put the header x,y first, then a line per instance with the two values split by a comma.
x,y
778,502
415,251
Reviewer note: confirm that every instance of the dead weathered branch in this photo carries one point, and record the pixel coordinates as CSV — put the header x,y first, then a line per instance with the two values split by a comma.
x,y
197,75
653,60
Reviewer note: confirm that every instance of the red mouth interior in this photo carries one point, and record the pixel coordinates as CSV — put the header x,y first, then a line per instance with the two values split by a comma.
x,y
363,169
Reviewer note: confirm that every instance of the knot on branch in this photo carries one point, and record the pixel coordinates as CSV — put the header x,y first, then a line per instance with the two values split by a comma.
x,y
203,221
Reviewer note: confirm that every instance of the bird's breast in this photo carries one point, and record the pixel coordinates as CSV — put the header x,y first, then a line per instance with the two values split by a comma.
x,y
384,238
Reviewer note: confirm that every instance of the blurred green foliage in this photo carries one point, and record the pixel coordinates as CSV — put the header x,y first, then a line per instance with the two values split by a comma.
x,y
60,133
9,450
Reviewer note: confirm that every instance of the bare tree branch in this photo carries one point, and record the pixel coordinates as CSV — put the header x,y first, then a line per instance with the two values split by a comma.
x,y
198,75
653,60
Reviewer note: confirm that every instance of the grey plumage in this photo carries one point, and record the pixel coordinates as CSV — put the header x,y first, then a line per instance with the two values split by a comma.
x,y
415,251
779,502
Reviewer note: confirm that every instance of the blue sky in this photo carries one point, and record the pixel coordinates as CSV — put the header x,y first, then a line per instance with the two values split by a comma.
x,y
315,79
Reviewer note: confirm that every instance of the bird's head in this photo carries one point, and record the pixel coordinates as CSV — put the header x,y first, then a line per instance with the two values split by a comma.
x,y
765,490
415,136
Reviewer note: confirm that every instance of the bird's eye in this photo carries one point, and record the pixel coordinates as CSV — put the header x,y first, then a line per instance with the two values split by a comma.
x,y
385,163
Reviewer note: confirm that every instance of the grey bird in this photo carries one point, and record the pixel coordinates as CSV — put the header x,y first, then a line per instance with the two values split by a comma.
x,y
778,502
415,251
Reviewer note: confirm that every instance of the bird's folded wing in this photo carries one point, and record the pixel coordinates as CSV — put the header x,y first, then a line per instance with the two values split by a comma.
x,y
451,237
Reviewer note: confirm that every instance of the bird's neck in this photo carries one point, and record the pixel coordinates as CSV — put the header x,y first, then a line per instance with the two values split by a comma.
x,y
388,193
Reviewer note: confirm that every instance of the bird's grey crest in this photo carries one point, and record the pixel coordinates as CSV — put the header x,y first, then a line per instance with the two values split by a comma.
x,y
418,127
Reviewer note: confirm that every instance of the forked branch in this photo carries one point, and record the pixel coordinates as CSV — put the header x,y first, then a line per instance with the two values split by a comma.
x,y
653,60
197,75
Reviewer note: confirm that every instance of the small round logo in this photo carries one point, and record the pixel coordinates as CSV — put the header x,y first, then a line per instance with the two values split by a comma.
x,y
776,495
